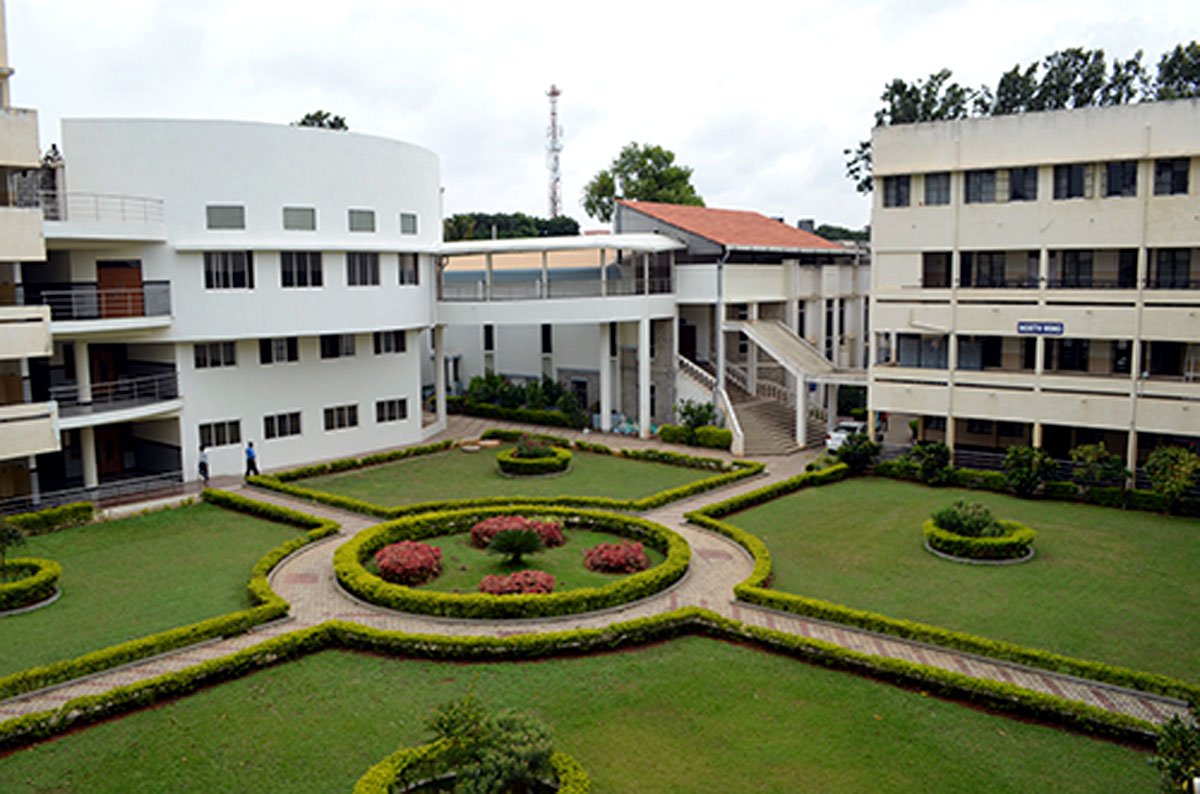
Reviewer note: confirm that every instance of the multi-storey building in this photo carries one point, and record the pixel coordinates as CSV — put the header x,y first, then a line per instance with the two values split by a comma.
x,y
1035,278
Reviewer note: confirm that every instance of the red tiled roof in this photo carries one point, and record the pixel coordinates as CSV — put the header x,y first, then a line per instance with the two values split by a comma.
x,y
737,228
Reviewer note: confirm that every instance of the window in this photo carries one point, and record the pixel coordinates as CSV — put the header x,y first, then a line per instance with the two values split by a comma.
x,y
981,427
340,417
1121,356
361,220
1171,176
612,339
225,216
489,338
1127,268
409,273
228,270
220,434
1068,181
362,268
391,410
1022,184
895,191
982,269
216,354
981,187
1121,178
281,425
1076,269
935,423
547,338
1172,268
937,189
408,223
1163,358
935,269
337,345
1010,429
1072,354
277,350
299,219
389,342
300,269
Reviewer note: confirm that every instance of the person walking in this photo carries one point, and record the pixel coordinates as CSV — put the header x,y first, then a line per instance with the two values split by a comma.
x,y
251,459
203,466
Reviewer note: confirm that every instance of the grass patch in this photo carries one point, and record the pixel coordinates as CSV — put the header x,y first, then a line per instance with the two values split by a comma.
x,y
1110,585
137,576
460,475
692,715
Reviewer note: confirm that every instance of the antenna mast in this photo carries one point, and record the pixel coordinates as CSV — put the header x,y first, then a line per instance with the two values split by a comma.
x,y
553,149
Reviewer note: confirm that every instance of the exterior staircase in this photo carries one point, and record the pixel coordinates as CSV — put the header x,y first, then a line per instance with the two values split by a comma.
x,y
770,427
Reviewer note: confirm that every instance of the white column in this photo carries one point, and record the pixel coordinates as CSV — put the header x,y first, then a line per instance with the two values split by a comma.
x,y
751,352
546,276
801,411
603,275
87,444
83,371
643,354
605,380
487,286
439,369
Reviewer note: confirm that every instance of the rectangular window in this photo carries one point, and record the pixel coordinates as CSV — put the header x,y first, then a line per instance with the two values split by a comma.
x,y
409,274
1071,355
300,269
982,427
895,191
612,339
1171,176
408,223
391,410
228,270
937,189
489,338
215,354
982,269
225,216
299,219
362,268
1121,356
220,434
935,423
1127,268
340,417
1022,184
1172,268
389,342
1068,181
281,425
935,269
279,349
337,345
361,220
547,338
1010,429
981,187
1077,268
1121,178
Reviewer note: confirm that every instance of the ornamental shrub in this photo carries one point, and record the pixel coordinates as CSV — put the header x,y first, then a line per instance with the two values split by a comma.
x,y
1027,468
858,451
1178,758
714,437
10,537
487,529
676,434
1172,471
503,751
515,544
533,447
409,562
694,414
624,557
1095,465
933,461
527,581
969,519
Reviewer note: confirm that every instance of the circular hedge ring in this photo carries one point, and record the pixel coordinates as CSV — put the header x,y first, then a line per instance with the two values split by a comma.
x,y
524,467
358,581
37,583
1016,544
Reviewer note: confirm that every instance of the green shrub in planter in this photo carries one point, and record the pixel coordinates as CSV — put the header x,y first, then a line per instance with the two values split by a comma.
x,y
1013,542
968,519
510,463
33,581
676,434
933,460
714,437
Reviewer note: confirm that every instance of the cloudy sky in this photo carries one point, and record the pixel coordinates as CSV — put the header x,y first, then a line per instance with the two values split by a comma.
x,y
759,98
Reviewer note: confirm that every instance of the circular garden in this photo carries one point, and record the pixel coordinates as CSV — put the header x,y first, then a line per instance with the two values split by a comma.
x,y
968,532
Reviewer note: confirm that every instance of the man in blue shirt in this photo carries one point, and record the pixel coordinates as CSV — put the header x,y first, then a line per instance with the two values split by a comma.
x,y
251,459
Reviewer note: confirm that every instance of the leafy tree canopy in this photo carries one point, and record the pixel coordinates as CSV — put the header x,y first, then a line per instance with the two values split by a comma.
x,y
323,119
641,172
830,232
478,226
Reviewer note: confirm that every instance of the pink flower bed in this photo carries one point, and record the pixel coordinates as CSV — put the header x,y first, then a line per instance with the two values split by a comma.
x,y
409,562
483,532
624,557
528,581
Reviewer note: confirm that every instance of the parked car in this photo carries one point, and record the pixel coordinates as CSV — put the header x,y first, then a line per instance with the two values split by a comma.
x,y
841,431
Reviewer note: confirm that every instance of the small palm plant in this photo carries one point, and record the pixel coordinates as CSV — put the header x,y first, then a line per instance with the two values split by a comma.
x,y
10,536
515,543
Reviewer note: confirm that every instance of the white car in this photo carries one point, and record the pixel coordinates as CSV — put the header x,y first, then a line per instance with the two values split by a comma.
x,y
843,430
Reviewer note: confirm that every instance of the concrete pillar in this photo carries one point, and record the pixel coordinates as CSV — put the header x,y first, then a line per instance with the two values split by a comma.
x,y
801,411
833,404
751,352
643,359
487,284
35,485
871,425
83,371
603,274
1131,446
1037,435
87,444
546,276
605,380
950,434
439,369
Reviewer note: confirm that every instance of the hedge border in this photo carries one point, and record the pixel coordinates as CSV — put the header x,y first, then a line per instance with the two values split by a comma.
x,y
996,695
528,467
268,606
37,585
54,518
1012,545
358,581
754,590
726,472
533,416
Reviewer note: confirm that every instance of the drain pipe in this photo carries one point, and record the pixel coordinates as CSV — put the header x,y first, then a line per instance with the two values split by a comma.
x,y
720,320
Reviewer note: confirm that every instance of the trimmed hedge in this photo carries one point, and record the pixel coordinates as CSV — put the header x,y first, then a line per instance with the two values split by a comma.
x,y
703,436
269,606
37,582
527,467
1005,697
1013,544
354,577
54,518
532,416
346,464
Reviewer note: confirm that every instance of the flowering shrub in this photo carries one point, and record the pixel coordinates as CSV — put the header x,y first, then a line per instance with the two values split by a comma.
x,y
531,447
483,532
409,562
527,581
624,557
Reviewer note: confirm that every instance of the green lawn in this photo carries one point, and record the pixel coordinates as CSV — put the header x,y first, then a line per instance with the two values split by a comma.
x,y
1118,586
137,576
460,475
691,715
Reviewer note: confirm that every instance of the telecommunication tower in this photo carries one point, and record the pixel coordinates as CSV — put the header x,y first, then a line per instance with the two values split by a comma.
x,y
553,149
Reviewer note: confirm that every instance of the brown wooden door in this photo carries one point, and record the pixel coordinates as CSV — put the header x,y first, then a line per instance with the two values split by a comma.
x,y
110,457
106,363
120,285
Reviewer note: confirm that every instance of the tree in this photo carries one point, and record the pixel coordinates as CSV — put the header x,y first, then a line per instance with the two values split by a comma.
x,y
10,536
831,232
492,752
1026,468
641,172
1178,757
1172,470
479,225
858,451
324,120
515,544
933,461
1095,465
1179,73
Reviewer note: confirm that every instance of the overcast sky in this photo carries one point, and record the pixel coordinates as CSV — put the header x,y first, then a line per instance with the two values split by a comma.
x,y
758,98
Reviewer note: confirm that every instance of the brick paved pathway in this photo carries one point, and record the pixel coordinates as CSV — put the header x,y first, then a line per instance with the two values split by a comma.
x,y
307,582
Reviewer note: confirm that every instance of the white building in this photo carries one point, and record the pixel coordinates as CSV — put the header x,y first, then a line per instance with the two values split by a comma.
x,y
1035,278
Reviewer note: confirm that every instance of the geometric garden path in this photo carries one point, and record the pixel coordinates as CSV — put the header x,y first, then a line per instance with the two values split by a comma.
x,y
306,582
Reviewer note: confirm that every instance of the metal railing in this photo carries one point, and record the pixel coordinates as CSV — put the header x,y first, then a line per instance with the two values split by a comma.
x,y
104,492
152,299
100,207
118,393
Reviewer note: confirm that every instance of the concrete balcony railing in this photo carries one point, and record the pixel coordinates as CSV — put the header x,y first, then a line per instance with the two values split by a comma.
x,y
87,302
537,289
117,394
28,429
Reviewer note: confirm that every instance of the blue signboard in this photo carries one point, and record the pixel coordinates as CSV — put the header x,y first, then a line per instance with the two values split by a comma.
x,y
1043,328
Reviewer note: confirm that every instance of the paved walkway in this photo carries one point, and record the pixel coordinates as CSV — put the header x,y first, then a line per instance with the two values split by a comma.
x,y
307,582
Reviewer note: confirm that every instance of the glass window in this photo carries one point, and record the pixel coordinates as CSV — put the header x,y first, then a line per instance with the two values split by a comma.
x,y
409,273
981,187
340,417
228,270
408,223
895,191
1022,184
1121,178
300,269
220,434
337,345
280,425
1171,176
302,219
215,354
278,349
361,220
391,410
362,268
389,342
935,269
1068,181
225,216
937,189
